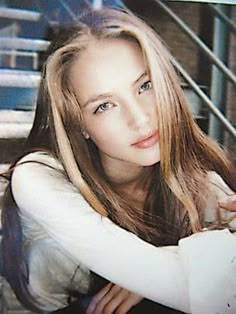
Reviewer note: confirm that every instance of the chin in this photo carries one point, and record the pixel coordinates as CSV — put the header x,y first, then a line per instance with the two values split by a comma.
x,y
148,164
149,161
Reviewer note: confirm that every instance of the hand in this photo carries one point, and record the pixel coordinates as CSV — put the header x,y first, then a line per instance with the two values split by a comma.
x,y
113,299
228,205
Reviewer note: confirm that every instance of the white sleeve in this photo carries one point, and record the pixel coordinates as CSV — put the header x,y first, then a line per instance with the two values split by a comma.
x,y
209,259
46,196
167,275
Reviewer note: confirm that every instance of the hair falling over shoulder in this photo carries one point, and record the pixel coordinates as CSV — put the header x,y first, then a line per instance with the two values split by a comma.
x,y
178,184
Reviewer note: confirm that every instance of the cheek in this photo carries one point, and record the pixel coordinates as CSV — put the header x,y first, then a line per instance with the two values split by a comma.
x,y
100,139
108,140
153,105
100,133
104,129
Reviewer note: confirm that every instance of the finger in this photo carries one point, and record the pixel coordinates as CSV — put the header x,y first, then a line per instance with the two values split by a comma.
x,y
228,205
100,307
115,302
128,303
97,298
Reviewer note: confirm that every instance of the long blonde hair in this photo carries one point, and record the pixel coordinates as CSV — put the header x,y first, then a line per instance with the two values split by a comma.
x,y
186,153
178,184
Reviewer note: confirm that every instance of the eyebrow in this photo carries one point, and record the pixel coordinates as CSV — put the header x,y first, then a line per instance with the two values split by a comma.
x,y
140,77
107,95
96,98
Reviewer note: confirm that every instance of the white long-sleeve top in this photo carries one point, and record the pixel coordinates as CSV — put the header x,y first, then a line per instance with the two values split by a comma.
x,y
65,238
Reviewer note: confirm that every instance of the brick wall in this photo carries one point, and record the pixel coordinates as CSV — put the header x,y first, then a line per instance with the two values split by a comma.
x,y
231,94
179,44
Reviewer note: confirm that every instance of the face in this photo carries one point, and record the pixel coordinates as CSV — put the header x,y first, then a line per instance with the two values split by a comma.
x,y
113,87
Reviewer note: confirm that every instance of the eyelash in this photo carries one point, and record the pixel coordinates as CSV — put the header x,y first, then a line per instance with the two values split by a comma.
x,y
147,83
100,106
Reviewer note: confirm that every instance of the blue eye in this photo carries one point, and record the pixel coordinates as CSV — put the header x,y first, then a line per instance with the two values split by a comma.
x,y
145,86
103,107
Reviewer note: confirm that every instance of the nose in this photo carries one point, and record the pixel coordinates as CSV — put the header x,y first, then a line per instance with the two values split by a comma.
x,y
137,114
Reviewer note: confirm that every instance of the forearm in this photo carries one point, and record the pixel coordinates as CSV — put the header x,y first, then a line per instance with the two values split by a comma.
x,y
46,197
163,275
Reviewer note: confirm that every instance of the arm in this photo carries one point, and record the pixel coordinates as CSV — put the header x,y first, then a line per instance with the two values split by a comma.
x,y
45,196
161,274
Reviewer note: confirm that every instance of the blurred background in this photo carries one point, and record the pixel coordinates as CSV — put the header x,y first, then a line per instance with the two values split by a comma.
x,y
200,35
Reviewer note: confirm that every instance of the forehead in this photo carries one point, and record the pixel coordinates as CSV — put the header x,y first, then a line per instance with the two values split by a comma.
x,y
107,64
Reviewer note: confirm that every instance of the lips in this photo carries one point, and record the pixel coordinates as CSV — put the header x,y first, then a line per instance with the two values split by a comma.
x,y
147,140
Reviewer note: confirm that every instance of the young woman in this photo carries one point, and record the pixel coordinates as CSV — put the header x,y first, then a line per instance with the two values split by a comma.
x,y
114,168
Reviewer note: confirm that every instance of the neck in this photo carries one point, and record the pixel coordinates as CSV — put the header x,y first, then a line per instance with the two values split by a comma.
x,y
122,173
129,180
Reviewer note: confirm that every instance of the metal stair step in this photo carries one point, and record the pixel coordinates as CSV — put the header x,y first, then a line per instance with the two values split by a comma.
x,y
19,78
14,130
19,14
16,116
15,123
24,44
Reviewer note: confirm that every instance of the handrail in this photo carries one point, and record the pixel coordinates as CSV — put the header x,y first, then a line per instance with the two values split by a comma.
x,y
69,11
229,127
199,42
223,17
64,5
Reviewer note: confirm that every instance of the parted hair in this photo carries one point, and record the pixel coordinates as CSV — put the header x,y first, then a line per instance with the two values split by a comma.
x,y
177,185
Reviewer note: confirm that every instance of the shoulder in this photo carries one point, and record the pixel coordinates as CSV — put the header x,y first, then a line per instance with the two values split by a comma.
x,y
37,177
35,165
39,158
31,169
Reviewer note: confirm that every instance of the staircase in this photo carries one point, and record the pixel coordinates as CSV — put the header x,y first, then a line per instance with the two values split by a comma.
x,y
20,54
19,82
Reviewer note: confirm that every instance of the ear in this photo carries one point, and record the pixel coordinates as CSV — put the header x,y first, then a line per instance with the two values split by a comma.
x,y
85,134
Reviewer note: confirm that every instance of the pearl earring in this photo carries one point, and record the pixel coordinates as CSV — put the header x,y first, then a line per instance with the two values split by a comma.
x,y
85,134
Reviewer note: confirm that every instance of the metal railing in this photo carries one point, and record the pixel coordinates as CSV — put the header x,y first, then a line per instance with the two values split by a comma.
x,y
229,127
22,47
17,53
214,60
223,17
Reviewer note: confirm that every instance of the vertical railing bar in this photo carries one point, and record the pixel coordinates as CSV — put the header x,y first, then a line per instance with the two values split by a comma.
x,y
198,41
223,17
205,98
